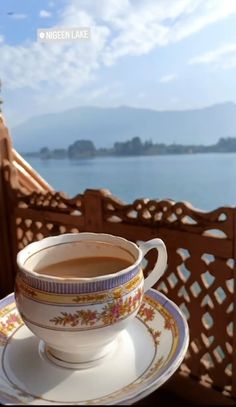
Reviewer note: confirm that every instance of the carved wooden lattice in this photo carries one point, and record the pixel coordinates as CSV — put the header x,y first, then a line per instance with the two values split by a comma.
x,y
41,220
172,215
200,273
199,277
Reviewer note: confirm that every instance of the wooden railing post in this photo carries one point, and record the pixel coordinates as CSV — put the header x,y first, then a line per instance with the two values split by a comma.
x,y
93,209
6,260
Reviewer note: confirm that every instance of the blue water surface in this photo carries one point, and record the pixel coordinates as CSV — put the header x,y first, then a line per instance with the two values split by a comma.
x,y
205,180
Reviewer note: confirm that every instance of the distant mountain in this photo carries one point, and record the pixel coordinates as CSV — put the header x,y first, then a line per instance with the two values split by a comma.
x,y
104,126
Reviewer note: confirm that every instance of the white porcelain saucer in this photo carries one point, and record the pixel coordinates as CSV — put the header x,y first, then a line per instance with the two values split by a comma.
x,y
146,355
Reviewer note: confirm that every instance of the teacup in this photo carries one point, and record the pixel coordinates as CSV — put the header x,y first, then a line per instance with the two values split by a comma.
x,y
79,311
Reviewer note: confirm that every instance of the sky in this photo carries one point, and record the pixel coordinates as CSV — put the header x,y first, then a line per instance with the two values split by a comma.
x,y
158,54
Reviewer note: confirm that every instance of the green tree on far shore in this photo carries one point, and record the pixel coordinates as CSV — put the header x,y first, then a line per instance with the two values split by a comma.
x,y
81,148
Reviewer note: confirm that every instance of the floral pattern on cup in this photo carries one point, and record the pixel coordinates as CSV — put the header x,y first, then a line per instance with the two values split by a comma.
x,y
110,313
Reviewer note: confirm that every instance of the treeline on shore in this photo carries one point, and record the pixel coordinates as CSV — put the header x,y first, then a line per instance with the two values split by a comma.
x,y
133,147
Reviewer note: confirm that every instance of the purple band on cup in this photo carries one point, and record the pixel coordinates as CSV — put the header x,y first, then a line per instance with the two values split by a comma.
x,y
78,287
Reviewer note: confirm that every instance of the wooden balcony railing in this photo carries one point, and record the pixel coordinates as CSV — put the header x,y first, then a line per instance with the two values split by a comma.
x,y
200,275
28,178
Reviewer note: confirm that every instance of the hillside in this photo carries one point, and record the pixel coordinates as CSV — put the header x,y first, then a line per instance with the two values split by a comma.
x,y
104,126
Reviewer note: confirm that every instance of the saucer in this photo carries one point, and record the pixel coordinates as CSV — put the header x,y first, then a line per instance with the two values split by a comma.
x,y
148,352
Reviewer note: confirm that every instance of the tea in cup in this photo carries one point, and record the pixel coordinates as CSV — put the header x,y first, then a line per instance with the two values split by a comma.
x,y
78,291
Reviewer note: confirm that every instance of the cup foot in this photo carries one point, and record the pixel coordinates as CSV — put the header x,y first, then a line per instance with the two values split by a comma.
x,y
75,361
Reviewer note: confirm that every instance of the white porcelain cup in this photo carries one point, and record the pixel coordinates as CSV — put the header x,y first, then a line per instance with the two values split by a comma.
x,y
80,318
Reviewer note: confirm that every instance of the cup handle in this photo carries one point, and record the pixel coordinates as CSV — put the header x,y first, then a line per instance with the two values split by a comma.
x,y
161,263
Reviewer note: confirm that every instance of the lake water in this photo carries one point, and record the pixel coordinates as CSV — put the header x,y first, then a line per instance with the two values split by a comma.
x,y
206,180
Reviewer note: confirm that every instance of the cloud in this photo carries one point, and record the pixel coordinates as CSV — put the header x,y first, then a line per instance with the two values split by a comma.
x,y
224,57
111,93
168,78
45,14
145,25
200,14
18,16
119,28
175,99
1,38
65,67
